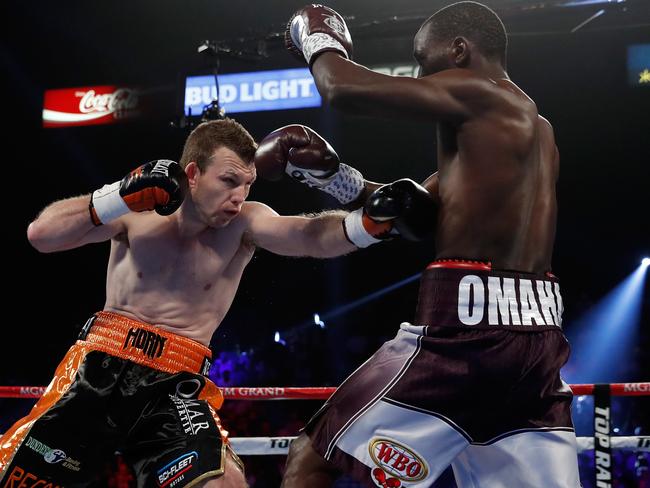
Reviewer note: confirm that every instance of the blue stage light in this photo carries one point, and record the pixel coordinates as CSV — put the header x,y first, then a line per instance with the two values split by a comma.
x,y
372,296
318,321
604,338
278,339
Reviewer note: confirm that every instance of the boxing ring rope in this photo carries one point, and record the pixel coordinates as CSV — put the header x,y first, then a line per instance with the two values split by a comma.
x,y
252,446
257,446
323,393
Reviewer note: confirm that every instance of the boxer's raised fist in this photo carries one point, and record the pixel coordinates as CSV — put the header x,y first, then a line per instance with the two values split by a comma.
x,y
315,29
304,155
297,151
158,185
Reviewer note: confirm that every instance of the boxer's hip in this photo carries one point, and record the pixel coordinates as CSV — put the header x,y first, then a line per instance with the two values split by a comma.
x,y
470,294
144,344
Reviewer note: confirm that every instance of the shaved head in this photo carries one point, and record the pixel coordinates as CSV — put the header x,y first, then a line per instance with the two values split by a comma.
x,y
472,20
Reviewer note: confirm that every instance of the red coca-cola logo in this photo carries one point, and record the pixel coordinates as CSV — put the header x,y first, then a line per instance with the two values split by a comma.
x,y
88,106
120,99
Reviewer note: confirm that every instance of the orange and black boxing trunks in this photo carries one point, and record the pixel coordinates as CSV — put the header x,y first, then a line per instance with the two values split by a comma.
x,y
123,386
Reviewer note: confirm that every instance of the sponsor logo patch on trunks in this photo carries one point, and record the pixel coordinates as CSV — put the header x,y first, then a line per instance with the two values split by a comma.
x,y
205,366
150,343
52,456
396,464
495,300
21,478
173,473
193,414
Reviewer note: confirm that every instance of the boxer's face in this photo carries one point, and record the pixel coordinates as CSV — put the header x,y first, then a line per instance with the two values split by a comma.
x,y
431,55
220,190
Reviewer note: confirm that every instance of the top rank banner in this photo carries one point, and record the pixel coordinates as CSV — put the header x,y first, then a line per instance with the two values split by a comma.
x,y
253,91
91,105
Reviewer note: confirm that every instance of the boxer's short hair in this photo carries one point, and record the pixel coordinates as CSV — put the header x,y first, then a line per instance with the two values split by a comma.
x,y
474,21
210,136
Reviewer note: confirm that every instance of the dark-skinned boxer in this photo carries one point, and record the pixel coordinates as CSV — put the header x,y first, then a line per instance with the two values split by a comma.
x,y
474,381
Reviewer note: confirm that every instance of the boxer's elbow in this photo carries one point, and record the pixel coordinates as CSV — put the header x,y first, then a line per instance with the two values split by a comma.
x,y
339,81
35,236
39,237
336,91
340,97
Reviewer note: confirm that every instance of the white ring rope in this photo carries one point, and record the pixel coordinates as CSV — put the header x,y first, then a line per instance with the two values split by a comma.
x,y
257,446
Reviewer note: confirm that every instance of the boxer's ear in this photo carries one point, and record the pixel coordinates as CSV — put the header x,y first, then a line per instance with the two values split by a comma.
x,y
460,52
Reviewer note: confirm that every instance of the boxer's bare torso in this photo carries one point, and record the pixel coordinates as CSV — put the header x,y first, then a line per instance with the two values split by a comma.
x,y
496,184
185,285
497,159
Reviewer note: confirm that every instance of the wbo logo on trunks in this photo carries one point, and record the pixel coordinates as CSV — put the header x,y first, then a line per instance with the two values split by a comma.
x,y
150,343
493,300
396,463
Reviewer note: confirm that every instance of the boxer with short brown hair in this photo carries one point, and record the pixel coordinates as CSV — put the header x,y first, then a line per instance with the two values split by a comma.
x,y
135,380
474,382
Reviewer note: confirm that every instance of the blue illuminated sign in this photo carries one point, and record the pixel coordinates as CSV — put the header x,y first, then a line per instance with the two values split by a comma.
x,y
638,65
254,91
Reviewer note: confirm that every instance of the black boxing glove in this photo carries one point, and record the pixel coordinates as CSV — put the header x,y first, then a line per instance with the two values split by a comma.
x,y
400,208
315,29
304,155
159,185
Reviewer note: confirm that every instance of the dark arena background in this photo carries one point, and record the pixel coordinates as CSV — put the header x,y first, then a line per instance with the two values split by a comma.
x,y
585,63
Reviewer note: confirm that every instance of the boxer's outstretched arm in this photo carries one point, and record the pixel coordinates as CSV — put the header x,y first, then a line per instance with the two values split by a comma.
x,y
66,224
319,236
319,35
454,95
402,208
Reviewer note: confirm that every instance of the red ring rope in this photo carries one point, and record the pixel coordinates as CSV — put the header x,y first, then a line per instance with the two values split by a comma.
x,y
322,393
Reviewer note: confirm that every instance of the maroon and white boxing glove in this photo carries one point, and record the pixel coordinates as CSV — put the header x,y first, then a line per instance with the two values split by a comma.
x,y
304,155
315,29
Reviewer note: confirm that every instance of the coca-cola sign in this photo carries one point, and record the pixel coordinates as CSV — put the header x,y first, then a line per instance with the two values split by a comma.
x,y
88,106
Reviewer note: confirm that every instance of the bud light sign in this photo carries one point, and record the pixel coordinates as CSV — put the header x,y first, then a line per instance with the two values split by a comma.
x,y
254,91
88,106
